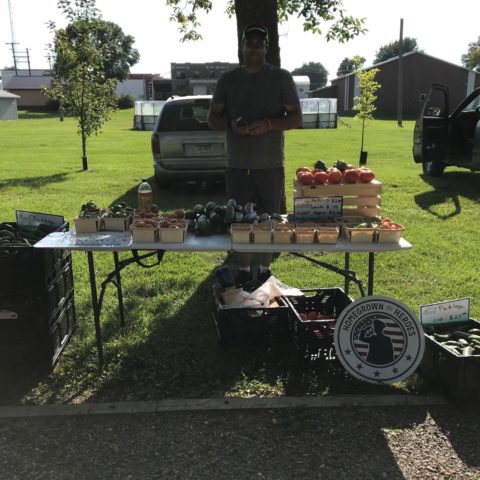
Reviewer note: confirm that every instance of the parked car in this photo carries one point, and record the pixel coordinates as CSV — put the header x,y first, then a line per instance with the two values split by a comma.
x,y
183,147
441,139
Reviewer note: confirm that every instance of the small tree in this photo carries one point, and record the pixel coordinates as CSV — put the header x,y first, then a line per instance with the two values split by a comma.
x,y
366,102
79,80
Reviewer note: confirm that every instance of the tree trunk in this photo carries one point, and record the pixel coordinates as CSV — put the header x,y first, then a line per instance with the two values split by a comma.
x,y
84,151
259,12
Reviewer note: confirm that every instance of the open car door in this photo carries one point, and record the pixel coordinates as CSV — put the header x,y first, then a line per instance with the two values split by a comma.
x,y
430,136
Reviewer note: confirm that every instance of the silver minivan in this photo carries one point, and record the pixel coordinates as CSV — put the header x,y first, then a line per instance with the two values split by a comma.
x,y
183,146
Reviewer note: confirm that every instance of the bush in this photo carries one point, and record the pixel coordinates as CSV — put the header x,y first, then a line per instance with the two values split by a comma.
x,y
125,101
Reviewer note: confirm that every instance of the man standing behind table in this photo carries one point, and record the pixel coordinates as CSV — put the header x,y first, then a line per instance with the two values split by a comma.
x,y
255,103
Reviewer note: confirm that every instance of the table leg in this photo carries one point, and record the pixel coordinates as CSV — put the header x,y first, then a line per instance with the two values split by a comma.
x,y
371,271
96,309
119,290
347,268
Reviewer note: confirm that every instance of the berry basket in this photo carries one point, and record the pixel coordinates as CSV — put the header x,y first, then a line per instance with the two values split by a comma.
x,y
242,324
313,337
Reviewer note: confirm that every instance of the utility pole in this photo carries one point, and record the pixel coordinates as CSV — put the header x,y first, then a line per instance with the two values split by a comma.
x,y
400,76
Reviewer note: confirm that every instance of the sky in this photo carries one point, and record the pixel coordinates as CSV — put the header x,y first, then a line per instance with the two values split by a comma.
x,y
442,30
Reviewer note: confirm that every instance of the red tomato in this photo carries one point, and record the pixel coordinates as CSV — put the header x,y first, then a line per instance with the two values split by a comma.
x,y
301,169
350,175
365,175
335,176
305,178
312,315
320,177
304,317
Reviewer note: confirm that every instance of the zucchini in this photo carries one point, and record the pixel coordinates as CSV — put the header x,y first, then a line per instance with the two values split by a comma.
x,y
467,351
460,334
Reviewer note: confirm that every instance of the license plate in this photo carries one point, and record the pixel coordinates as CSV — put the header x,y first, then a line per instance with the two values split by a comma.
x,y
203,149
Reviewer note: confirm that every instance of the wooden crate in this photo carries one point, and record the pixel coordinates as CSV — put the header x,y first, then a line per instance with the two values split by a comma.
x,y
385,235
358,198
327,234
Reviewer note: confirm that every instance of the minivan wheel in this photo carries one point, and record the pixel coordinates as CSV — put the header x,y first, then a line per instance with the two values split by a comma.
x,y
433,169
161,181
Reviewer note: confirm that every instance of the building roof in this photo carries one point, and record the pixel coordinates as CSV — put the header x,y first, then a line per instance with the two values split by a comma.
x,y
5,94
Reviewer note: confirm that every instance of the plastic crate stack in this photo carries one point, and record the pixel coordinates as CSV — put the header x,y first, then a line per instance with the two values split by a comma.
x,y
37,309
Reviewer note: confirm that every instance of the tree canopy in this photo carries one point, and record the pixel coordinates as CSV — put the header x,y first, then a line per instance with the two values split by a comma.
x,y
118,53
314,13
471,59
349,65
315,71
392,49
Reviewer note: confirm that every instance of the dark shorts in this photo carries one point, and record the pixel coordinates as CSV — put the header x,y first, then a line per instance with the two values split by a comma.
x,y
264,187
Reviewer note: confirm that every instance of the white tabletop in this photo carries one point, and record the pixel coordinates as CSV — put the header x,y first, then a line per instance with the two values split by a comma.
x,y
122,241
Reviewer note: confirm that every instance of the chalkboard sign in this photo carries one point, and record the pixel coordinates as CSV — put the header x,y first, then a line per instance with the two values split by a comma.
x,y
317,208
454,311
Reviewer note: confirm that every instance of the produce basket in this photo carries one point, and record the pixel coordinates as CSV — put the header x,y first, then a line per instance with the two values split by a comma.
x,y
262,232
393,235
283,233
116,224
313,337
457,375
173,233
242,324
355,234
327,233
305,233
146,234
240,232
87,225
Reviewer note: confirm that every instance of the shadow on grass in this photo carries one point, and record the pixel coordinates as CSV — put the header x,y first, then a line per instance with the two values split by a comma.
x,y
452,186
34,115
179,356
33,182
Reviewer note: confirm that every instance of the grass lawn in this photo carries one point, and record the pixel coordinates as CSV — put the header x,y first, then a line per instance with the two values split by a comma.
x,y
168,347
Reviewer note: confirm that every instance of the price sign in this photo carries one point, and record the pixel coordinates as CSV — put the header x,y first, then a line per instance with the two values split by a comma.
x,y
317,208
33,219
453,311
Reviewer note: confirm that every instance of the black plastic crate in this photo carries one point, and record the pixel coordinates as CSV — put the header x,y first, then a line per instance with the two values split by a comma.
x,y
27,268
457,376
313,338
59,290
64,324
241,324
34,339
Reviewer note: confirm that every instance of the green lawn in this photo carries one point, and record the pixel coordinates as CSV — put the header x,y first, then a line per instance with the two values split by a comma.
x,y
169,347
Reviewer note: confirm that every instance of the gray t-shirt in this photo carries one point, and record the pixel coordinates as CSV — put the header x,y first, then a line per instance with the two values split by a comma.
x,y
253,96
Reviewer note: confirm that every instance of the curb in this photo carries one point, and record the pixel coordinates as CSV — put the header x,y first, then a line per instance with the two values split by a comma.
x,y
213,404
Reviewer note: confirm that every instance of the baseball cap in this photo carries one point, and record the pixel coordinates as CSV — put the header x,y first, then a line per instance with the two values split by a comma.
x,y
252,31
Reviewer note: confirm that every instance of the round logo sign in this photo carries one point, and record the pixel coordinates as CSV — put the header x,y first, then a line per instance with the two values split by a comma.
x,y
379,340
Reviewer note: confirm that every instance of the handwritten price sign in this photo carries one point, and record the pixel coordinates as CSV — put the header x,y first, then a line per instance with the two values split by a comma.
x,y
317,208
453,311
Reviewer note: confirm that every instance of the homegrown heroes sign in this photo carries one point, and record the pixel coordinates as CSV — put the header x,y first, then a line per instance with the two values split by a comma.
x,y
379,340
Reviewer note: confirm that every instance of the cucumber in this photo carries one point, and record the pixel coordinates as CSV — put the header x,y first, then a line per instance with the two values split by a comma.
x,y
460,334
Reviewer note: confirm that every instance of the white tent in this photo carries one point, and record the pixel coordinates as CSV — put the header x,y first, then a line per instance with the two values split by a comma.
x,y
8,105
